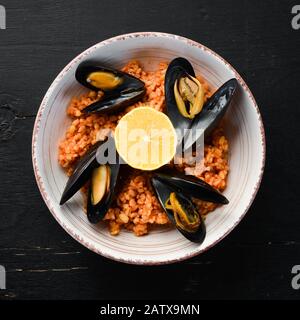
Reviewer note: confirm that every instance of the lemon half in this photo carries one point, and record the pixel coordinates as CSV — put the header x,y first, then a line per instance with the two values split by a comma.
x,y
145,138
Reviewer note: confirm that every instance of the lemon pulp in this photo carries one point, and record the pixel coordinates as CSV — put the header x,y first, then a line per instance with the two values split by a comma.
x,y
145,138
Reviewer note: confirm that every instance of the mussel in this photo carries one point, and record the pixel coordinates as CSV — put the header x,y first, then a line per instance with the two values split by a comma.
x,y
181,211
103,179
189,95
184,94
81,173
185,102
175,191
191,186
212,112
120,89
101,191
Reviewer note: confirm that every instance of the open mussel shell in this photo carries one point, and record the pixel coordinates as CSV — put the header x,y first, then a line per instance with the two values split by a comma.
x,y
211,114
101,192
114,104
81,174
100,78
176,69
163,193
120,89
191,186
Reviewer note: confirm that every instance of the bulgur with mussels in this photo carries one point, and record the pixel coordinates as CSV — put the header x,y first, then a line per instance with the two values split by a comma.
x,y
135,206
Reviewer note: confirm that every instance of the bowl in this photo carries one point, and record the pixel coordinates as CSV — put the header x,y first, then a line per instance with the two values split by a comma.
x,y
243,127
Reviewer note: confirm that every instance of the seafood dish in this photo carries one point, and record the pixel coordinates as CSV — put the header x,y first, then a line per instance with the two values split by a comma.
x,y
179,192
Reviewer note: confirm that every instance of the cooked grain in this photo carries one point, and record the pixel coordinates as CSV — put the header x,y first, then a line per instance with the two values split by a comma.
x,y
136,207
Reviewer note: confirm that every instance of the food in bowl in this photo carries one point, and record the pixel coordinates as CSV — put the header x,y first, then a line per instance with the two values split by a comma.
x,y
137,199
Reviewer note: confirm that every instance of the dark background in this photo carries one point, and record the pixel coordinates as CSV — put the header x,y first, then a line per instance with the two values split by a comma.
x,y
256,259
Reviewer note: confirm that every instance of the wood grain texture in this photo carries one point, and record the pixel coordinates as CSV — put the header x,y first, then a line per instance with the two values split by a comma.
x,y
255,261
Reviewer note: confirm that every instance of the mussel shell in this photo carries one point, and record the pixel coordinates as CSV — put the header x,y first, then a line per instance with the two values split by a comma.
x,y
162,192
191,186
128,82
182,63
211,114
114,104
81,174
176,69
95,213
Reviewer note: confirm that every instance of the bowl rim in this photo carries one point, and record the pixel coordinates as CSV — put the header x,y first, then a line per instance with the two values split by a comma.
x,y
37,127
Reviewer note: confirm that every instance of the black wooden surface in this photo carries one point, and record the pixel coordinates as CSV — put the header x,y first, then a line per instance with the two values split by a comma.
x,y
255,260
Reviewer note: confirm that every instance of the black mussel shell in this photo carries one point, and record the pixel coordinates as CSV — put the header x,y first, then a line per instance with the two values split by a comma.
x,y
95,213
114,104
184,64
125,82
81,173
191,186
163,192
212,112
177,68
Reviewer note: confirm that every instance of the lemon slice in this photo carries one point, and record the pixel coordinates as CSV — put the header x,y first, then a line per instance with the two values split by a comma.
x,y
145,138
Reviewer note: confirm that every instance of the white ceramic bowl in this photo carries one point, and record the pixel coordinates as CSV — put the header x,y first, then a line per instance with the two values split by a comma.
x,y
243,126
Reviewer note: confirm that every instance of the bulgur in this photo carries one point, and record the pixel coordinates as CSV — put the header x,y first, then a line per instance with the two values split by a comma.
x,y
135,206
